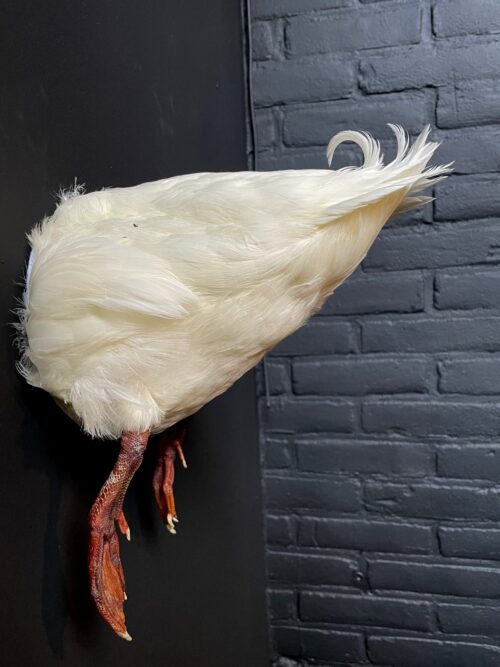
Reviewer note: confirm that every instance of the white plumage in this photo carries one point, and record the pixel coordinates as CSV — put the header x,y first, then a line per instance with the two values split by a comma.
x,y
144,303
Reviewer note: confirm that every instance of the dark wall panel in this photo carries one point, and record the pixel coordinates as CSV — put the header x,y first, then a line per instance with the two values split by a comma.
x,y
116,93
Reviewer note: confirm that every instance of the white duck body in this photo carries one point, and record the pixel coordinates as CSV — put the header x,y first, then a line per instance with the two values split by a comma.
x,y
144,303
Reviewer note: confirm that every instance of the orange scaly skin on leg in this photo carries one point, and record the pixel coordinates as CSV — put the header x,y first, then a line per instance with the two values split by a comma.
x,y
163,479
107,582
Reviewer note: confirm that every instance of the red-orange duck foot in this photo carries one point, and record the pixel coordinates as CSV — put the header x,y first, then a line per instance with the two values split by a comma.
x,y
107,582
169,447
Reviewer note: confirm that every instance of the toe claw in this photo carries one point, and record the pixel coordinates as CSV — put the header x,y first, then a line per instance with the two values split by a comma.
x,y
123,525
170,524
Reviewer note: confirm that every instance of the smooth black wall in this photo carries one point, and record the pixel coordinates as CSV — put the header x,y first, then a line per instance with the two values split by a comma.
x,y
116,93
382,438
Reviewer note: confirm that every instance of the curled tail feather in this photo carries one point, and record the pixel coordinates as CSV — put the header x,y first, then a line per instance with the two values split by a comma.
x,y
407,172
369,146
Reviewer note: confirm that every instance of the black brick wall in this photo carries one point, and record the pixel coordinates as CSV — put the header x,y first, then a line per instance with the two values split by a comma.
x,y
381,441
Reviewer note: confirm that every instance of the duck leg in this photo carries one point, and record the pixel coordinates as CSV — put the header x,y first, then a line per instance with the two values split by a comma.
x,y
107,583
170,446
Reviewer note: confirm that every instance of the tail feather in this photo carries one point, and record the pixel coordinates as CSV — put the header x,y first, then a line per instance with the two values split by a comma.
x,y
369,146
410,203
407,172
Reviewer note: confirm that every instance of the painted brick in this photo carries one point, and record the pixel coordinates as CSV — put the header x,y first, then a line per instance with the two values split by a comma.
x,y
461,17
435,578
469,462
263,9
320,337
467,243
470,543
308,416
328,455
427,65
319,494
465,290
365,535
278,377
468,619
378,294
310,79
265,126
307,532
433,501
279,531
479,375
282,605
465,197
426,334
320,645
475,151
262,41
309,569
468,103
412,652
451,417
278,453
341,646
354,29
287,642
364,610
309,126
363,375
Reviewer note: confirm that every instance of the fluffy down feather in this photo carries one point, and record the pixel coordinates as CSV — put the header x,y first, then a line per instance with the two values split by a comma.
x,y
144,303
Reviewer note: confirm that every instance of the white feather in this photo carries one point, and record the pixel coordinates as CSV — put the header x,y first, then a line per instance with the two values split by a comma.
x,y
144,303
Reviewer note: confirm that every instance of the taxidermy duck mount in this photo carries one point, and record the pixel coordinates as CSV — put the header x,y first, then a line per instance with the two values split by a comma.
x,y
144,303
